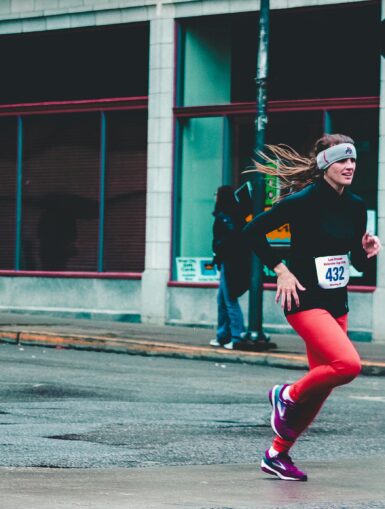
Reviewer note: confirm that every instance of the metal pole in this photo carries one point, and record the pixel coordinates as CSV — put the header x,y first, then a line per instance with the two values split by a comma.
x,y
258,182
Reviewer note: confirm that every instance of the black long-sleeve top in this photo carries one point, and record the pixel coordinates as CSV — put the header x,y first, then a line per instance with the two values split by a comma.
x,y
322,223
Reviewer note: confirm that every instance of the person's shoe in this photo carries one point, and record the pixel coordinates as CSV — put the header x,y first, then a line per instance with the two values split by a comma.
x,y
245,345
282,413
219,342
233,344
282,466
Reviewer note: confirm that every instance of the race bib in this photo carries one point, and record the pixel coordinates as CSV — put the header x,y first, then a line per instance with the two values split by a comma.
x,y
332,271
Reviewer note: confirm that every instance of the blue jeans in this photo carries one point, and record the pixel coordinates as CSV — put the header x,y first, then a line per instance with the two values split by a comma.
x,y
230,317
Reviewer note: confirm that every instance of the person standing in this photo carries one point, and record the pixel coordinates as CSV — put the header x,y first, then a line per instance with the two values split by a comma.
x,y
328,231
230,251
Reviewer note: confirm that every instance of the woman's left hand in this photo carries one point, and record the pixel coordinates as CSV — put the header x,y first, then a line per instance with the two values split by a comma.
x,y
371,244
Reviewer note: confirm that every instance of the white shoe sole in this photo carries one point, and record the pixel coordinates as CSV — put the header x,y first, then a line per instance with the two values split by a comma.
x,y
267,469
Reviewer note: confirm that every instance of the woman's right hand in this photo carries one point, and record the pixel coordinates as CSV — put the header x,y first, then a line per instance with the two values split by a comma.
x,y
287,285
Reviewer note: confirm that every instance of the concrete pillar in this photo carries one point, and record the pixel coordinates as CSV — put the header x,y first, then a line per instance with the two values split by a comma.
x,y
379,295
159,167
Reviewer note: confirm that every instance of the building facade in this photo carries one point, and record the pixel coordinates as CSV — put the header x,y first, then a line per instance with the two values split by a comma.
x,y
119,119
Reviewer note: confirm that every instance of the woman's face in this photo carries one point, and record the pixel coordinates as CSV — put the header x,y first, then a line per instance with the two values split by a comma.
x,y
340,174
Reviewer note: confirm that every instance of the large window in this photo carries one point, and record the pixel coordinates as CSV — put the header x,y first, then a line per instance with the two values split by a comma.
x,y
75,197
125,193
60,192
215,104
207,58
73,158
202,163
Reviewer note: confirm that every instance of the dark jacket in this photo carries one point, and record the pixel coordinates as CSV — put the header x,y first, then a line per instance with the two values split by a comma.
x,y
231,250
322,223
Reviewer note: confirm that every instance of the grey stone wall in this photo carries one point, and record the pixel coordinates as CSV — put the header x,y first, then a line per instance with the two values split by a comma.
x,y
197,306
117,299
18,16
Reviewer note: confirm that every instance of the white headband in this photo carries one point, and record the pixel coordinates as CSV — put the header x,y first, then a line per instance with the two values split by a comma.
x,y
335,153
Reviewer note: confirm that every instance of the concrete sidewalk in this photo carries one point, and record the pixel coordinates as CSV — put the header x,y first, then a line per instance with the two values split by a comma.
x,y
171,341
238,486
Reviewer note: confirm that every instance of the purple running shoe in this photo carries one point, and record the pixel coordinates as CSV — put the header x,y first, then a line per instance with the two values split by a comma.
x,y
282,413
283,467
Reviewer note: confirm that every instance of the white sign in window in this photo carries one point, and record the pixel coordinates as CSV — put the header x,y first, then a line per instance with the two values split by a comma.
x,y
197,270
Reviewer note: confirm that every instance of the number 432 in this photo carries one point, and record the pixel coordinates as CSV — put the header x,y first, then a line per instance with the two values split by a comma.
x,y
335,274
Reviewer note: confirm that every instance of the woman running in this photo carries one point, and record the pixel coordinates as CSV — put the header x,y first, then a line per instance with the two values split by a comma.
x,y
328,229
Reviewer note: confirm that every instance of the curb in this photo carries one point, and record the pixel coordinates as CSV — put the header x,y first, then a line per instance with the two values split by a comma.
x,y
167,349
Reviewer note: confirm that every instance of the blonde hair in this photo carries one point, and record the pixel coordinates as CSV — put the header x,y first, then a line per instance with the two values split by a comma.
x,y
294,171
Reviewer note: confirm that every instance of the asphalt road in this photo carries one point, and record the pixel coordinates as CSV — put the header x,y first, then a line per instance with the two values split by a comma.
x,y
86,429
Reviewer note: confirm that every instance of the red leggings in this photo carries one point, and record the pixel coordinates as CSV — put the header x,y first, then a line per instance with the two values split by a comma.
x,y
333,361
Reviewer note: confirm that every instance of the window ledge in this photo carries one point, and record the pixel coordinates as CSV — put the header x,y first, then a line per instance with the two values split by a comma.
x,y
266,286
83,275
